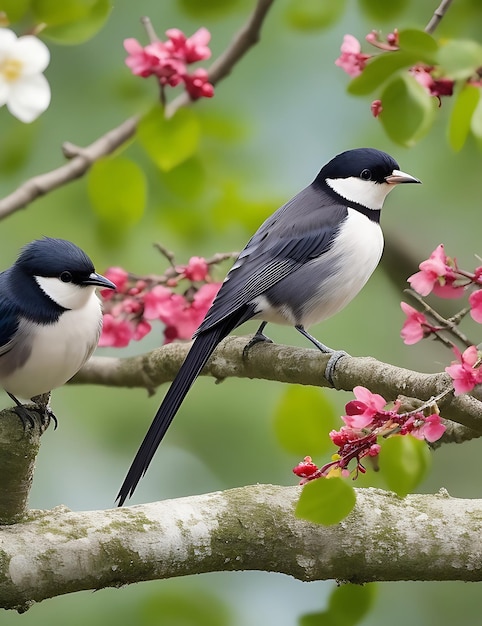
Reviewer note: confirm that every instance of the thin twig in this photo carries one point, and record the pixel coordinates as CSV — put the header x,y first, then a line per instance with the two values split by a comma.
x,y
83,158
448,324
436,18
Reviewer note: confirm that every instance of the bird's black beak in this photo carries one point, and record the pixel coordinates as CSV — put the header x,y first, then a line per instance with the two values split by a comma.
x,y
99,281
397,177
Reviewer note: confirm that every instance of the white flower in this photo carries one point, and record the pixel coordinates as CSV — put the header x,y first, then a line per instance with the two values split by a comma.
x,y
23,87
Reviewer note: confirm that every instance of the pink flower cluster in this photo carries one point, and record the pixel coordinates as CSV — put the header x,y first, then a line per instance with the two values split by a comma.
x,y
441,275
353,61
129,311
367,419
168,60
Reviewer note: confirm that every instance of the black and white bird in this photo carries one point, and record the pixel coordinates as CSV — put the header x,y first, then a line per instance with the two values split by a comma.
x,y
303,265
50,317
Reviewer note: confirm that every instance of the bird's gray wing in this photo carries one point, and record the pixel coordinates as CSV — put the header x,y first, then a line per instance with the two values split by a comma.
x,y
300,230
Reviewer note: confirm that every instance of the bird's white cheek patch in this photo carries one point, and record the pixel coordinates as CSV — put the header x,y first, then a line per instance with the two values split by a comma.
x,y
66,295
365,192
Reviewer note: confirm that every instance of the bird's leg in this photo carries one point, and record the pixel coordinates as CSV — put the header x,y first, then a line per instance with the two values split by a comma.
x,y
336,355
258,337
26,416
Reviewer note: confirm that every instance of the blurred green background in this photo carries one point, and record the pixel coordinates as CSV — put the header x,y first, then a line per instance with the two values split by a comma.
x,y
272,124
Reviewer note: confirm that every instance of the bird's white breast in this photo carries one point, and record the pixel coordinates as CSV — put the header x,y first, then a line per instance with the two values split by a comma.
x,y
331,280
58,350
355,255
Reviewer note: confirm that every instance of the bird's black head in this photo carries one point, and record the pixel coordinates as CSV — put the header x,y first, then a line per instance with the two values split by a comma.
x,y
363,177
363,163
55,258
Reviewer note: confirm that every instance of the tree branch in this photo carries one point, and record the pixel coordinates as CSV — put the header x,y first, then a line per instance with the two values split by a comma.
x,y
287,365
440,11
81,159
250,528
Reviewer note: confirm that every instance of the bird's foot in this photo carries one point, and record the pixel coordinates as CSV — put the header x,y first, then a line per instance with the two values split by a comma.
x,y
39,413
258,337
335,356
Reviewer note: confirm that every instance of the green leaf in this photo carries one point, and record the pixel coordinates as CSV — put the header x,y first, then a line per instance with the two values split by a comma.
x,y
208,8
117,190
187,180
381,10
476,121
169,142
14,9
463,109
71,21
418,43
408,110
460,59
351,603
303,419
378,70
326,501
404,461
314,14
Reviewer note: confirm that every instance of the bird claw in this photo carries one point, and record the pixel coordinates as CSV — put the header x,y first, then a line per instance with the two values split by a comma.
x,y
335,356
257,338
40,413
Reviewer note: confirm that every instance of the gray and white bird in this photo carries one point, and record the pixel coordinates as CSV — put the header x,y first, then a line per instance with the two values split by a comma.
x,y
50,317
303,265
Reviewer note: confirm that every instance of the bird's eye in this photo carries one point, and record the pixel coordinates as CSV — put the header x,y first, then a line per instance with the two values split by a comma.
x,y
66,277
366,175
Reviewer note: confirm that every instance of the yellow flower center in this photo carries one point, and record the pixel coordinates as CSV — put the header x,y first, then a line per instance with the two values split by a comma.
x,y
11,69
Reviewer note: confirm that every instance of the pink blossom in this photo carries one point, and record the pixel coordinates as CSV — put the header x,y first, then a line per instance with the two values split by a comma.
x,y
415,326
436,275
475,301
119,277
116,332
154,301
360,412
376,108
429,428
192,49
351,60
204,298
140,61
197,84
305,468
197,269
465,373
435,86
141,330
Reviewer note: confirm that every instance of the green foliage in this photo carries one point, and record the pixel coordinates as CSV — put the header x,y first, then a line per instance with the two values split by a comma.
x,y
169,142
14,9
208,8
463,110
326,501
379,70
71,21
117,191
460,58
314,14
174,609
347,606
381,10
418,43
408,110
303,419
404,462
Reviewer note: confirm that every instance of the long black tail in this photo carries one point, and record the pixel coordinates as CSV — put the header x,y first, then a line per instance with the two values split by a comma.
x,y
200,351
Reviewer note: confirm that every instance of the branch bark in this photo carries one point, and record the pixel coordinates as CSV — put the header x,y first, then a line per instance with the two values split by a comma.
x,y
250,528
286,364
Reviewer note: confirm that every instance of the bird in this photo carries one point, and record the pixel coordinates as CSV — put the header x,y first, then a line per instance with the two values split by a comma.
x,y
304,264
50,318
